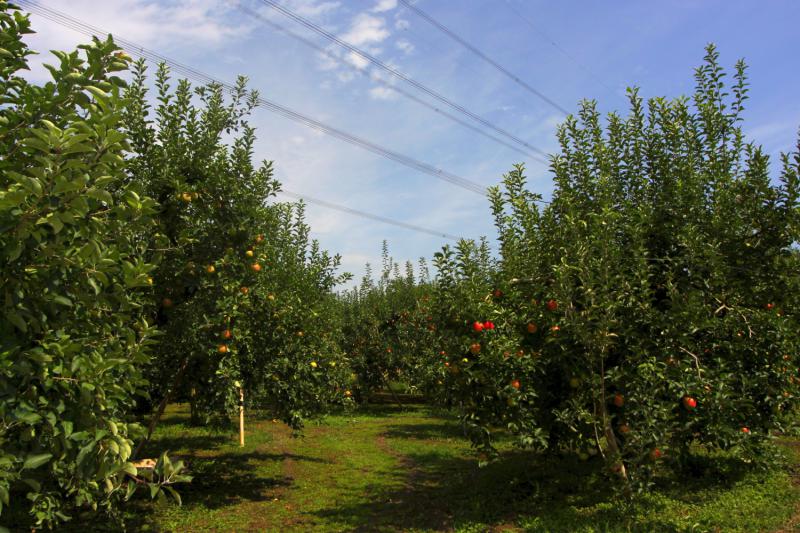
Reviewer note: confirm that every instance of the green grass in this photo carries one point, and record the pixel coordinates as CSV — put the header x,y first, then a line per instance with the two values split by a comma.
x,y
388,468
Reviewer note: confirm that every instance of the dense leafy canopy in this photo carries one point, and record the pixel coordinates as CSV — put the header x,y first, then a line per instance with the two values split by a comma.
x,y
238,282
142,263
74,278
650,307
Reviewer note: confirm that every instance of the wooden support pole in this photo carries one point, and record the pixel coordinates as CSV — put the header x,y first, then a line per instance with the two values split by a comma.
x,y
241,416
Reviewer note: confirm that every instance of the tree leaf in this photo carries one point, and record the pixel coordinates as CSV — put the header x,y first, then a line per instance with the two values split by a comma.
x,y
35,461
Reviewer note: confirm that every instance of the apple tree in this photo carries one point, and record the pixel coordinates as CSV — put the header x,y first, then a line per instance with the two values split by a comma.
x,y
387,325
74,332
650,306
243,295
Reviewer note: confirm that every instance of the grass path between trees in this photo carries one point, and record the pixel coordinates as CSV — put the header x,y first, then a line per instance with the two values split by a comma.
x,y
387,468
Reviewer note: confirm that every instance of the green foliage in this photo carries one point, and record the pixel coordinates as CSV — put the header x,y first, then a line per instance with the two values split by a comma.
x,y
74,330
386,326
668,255
385,468
239,283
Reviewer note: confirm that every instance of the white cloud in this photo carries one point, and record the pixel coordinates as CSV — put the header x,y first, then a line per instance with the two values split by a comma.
x,y
384,5
402,24
156,25
404,46
357,61
345,76
151,23
382,93
311,8
366,29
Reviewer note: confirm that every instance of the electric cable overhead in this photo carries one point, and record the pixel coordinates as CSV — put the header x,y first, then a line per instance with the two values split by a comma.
x,y
396,73
482,55
82,28
511,7
139,51
363,214
327,53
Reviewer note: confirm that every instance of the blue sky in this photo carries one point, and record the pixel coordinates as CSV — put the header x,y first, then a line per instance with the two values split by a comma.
x,y
566,50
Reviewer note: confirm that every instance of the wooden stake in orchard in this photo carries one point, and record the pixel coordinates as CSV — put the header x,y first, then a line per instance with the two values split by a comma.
x,y
241,416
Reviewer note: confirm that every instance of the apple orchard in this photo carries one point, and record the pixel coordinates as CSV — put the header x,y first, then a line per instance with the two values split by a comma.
x,y
649,308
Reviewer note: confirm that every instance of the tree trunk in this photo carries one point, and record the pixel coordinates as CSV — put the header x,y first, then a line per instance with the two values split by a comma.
x,y
614,455
161,406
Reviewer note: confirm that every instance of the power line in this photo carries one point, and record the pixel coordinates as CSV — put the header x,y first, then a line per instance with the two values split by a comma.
x,y
482,55
189,72
363,214
382,82
394,72
79,27
555,45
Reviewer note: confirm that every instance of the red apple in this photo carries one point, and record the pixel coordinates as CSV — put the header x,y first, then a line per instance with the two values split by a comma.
x,y
515,384
552,305
477,326
619,400
656,454
532,328
689,402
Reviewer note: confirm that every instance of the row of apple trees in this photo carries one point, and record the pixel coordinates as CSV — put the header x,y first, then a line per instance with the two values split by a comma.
x,y
385,324
649,307
140,261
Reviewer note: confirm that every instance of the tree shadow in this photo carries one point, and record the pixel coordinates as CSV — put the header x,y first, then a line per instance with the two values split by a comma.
x,y
386,410
228,479
436,492
550,492
218,481
446,430
182,445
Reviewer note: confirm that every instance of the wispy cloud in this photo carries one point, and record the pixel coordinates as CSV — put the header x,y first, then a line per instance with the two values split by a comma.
x,y
404,46
366,29
312,8
382,93
384,5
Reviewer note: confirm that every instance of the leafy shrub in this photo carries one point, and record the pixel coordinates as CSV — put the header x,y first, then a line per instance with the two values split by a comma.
x,y
239,282
651,306
74,331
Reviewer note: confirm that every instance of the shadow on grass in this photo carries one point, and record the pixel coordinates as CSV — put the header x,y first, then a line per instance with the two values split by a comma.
x,y
547,492
385,410
439,492
424,431
182,444
228,479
